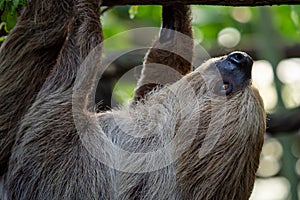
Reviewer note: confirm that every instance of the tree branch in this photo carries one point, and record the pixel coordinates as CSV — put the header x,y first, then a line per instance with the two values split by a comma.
x,y
202,2
287,121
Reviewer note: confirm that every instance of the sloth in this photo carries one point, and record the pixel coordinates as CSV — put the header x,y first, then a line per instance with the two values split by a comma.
x,y
196,135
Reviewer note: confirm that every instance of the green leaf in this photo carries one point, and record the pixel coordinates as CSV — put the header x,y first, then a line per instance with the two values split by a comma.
x,y
9,18
15,4
2,39
295,17
2,4
133,11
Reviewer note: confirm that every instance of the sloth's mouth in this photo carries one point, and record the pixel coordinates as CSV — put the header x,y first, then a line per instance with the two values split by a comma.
x,y
223,87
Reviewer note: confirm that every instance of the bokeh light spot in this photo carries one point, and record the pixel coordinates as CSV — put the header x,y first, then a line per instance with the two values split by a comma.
x,y
229,37
241,14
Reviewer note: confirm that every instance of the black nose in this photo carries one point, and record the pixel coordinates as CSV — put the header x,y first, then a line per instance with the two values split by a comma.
x,y
239,57
242,61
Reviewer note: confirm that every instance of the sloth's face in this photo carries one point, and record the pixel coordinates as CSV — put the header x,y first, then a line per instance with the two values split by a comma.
x,y
235,70
228,74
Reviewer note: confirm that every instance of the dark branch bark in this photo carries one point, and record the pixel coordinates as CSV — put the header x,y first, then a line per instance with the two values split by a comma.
x,y
284,122
202,2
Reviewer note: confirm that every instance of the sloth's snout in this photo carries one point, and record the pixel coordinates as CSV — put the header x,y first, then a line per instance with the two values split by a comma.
x,y
239,57
242,62
235,70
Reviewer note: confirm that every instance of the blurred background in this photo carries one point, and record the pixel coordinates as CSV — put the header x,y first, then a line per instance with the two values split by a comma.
x,y
271,35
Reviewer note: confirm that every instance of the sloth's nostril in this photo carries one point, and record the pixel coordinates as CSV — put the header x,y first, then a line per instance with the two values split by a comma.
x,y
239,57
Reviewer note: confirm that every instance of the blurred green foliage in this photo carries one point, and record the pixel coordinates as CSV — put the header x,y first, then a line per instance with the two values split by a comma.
x,y
123,91
208,21
9,13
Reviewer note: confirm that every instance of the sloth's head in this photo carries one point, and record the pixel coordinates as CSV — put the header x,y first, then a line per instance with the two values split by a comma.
x,y
222,86
225,84
226,75
235,71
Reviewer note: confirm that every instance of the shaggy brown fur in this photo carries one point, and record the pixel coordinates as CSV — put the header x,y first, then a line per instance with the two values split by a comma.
x,y
182,142
26,58
34,182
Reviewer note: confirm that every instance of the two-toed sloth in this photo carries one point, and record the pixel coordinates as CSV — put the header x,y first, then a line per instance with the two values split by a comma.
x,y
198,137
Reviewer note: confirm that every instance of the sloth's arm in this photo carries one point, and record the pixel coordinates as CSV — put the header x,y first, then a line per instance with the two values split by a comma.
x,y
26,58
49,159
171,54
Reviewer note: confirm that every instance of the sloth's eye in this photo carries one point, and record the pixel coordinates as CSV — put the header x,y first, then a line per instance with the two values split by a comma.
x,y
223,88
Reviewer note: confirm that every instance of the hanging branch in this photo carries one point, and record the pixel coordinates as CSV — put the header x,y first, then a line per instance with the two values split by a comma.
x,y
202,2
